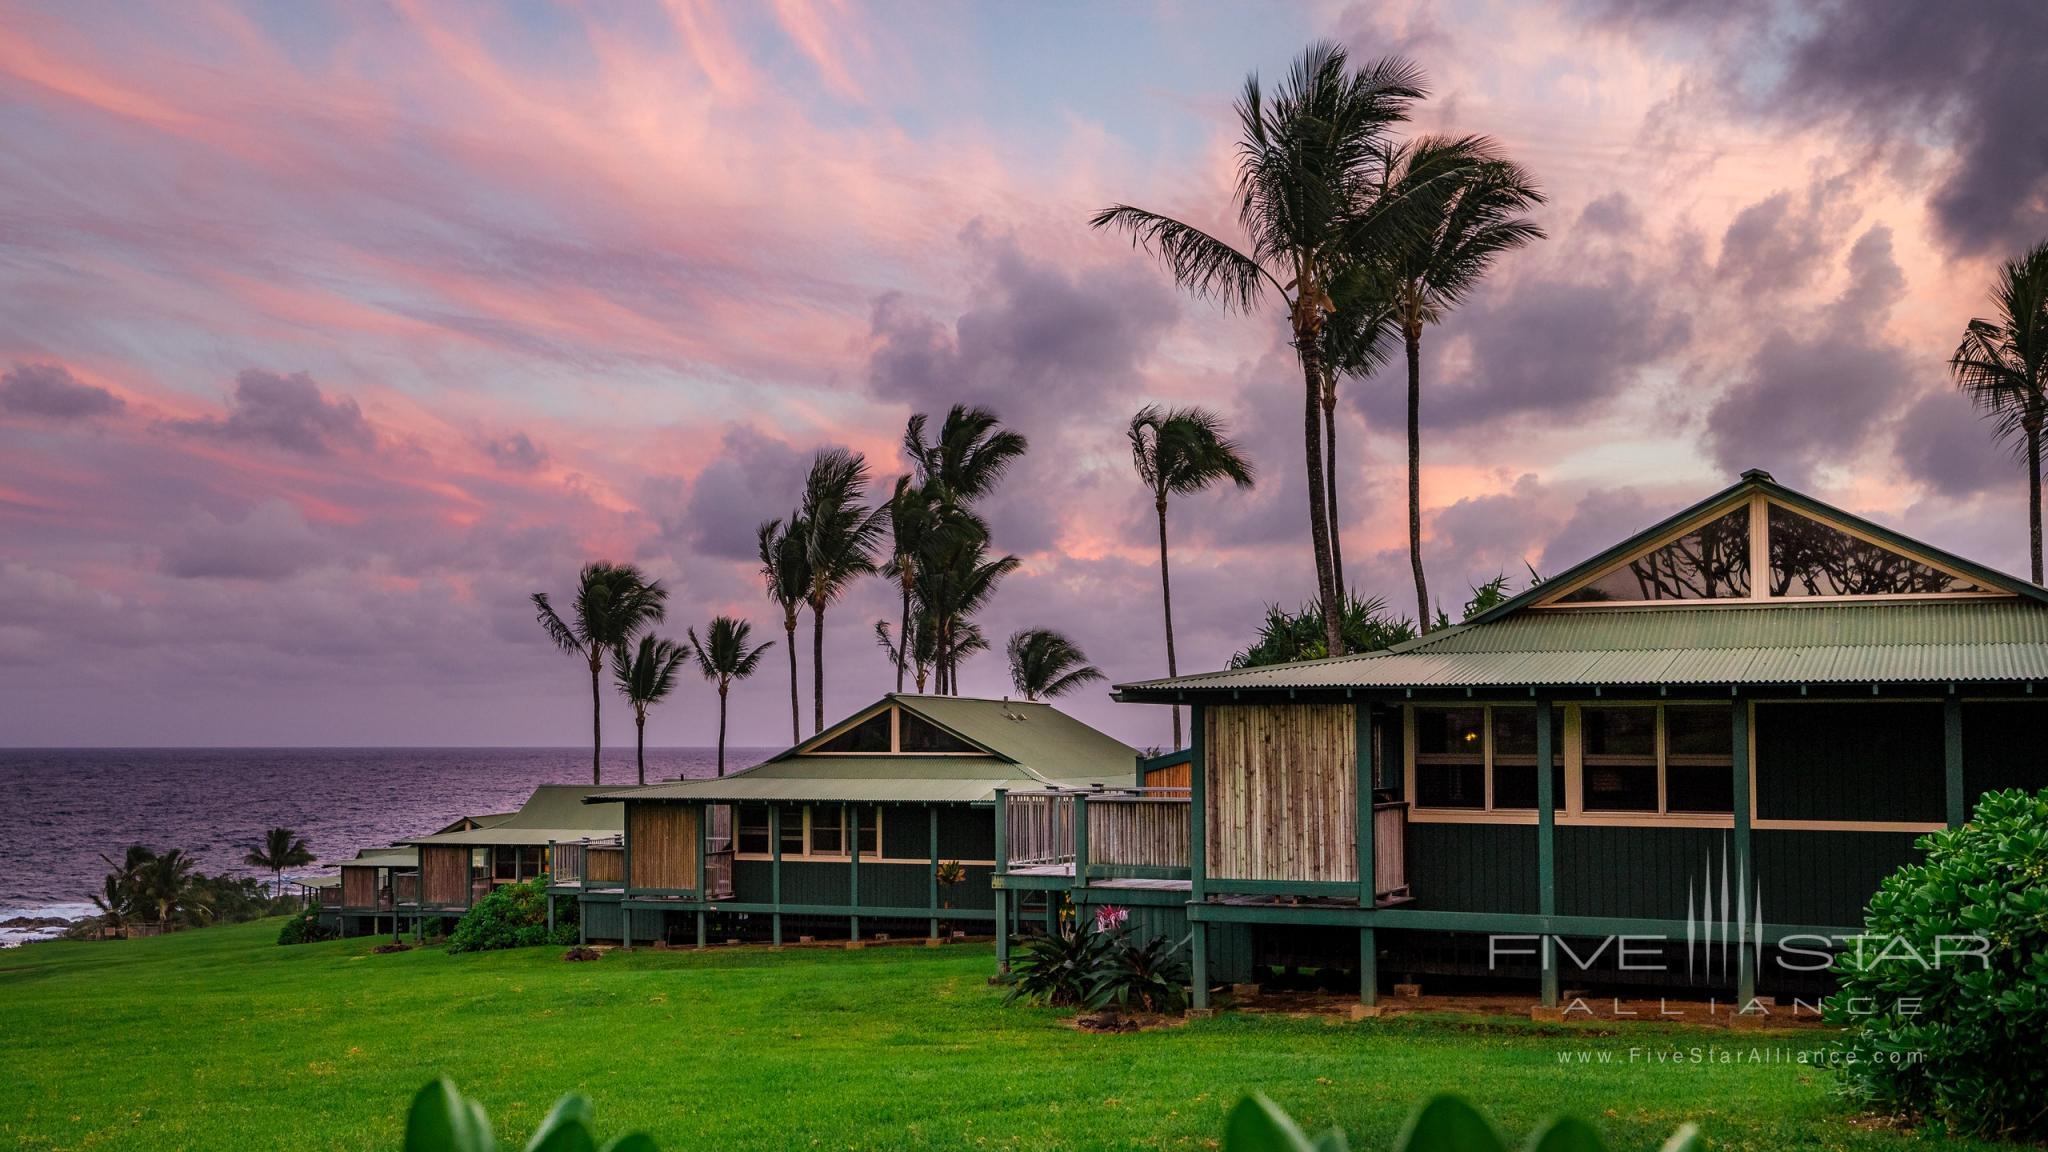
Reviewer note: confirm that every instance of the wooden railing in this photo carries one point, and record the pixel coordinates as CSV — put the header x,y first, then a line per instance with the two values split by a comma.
x,y
1038,829
718,874
405,887
1134,834
1390,847
590,863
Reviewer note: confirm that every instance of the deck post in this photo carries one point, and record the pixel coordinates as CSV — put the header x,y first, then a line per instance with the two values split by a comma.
x,y
775,871
1952,754
700,929
626,879
1002,866
1199,962
1081,840
703,833
932,816
1746,949
551,889
1368,861
849,816
1198,837
1546,843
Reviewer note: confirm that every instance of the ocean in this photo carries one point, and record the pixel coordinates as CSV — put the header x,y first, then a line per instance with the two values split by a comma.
x,y
62,809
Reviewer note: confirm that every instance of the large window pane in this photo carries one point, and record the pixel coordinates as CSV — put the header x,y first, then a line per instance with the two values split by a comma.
x,y
828,831
792,831
919,735
1698,763
1450,757
870,735
753,829
1709,563
1809,558
1514,757
1619,759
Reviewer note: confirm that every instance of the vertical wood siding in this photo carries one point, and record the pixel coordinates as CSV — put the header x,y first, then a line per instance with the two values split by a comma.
x,y
604,865
662,845
1171,776
1473,867
1638,872
444,875
1281,786
1825,878
359,887
2005,745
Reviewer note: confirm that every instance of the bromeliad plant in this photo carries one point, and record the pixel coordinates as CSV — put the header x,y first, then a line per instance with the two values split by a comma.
x,y
1099,963
1443,1124
444,1120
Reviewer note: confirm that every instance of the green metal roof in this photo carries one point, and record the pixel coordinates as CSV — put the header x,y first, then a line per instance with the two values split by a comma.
x,y
1030,745
390,857
553,812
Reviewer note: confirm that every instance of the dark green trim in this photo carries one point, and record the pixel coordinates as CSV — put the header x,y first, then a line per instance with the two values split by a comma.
x,y
1081,840
1546,842
1135,872
1283,887
1421,919
1952,756
1362,836
1018,882
1198,816
1745,866
932,815
775,871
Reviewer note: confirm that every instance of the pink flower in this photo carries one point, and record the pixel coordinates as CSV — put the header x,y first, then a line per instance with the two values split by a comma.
x,y
1109,918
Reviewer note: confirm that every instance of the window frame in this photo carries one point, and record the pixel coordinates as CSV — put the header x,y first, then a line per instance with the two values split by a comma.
x,y
895,737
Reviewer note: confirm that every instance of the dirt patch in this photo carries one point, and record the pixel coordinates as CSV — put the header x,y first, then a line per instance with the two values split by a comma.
x,y
387,949
579,954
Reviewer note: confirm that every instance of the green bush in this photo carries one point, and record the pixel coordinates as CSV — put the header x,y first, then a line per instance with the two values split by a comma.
x,y
1057,969
1099,963
514,916
1932,1034
304,928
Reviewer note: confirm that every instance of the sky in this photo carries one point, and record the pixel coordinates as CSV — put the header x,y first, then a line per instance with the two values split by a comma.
x,y
328,334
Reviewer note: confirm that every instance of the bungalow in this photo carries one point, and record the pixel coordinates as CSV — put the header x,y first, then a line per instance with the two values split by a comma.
x,y
845,832
368,884
456,866
1688,760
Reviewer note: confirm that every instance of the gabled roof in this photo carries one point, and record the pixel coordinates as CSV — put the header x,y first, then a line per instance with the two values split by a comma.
x,y
553,812
1997,635
1028,744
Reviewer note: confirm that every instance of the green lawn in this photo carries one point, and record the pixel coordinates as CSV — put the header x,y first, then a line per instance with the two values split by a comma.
x,y
217,1039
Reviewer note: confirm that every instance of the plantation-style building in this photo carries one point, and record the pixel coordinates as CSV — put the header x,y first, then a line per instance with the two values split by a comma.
x,y
844,835
1721,733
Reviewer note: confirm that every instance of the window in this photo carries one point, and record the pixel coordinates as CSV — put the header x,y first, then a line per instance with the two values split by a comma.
x,y
1450,757
870,735
1618,750
828,830
921,735
868,829
521,862
1514,758
1809,558
792,831
1699,761
1710,562
753,830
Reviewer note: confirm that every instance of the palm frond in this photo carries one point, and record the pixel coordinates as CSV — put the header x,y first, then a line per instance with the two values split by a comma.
x,y
1201,264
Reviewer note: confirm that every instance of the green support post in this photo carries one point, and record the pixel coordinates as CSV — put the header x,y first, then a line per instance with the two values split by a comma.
x,y
1546,845
626,880
1198,838
703,834
1745,962
1200,944
1952,755
849,815
1081,840
932,816
700,929
1368,861
551,894
775,871
1002,865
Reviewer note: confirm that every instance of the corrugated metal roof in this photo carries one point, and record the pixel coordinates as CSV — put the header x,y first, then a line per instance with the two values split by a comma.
x,y
553,812
1965,639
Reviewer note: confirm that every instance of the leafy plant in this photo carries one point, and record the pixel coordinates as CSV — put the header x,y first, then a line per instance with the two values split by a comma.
x,y
444,1120
1443,1123
304,928
1152,974
1367,626
513,916
1962,1039
1060,968
1097,964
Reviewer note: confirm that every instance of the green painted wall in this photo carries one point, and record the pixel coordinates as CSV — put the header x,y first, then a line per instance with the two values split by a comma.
x,y
1824,878
2005,745
1636,872
1841,761
1473,867
1230,945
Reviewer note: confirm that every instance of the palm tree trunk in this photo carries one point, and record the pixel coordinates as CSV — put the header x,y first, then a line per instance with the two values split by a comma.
x,y
1307,343
1412,336
817,668
640,745
903,632
1166,598
796,735
2034,495
596,717
1330,478
721,728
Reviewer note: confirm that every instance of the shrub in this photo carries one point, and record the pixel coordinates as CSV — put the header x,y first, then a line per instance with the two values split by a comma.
x,y
305,928
1097,964
444,1120
1958,1039
1153,974
514,916
1059,968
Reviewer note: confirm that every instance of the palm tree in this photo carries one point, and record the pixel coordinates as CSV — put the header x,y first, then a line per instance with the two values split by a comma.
x,y
912,514
918,654
839,542
645,676
1355,343
723,656
1179,452
786,568
1464,204
971,453
613,603
1045,663
2002,365
1308,168
282,848
956,579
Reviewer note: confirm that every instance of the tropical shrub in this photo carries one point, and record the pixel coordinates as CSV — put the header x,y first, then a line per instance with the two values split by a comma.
x,y
1098,963
1150,974
1442,1124
1933,1031
444,1120
304,928
514,916
1059,968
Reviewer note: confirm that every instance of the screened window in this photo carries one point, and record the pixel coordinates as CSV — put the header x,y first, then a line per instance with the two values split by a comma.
x,y
520,862
753,830
1809,558
828,831
1699,758
920,735
868,830
1619,759
1514,757
1709,563
870,735
1450,757
792,831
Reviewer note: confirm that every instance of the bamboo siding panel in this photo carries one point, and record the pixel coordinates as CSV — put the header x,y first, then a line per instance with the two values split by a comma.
x,y
359,887
444,875
1171,776
662,839
604,865
1390,847
1282,792
1145,833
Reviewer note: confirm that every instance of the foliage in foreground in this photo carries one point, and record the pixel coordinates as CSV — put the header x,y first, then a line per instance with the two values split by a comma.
x,y
1100,963
513,916
1956,1038
444,1120
165,890
304,928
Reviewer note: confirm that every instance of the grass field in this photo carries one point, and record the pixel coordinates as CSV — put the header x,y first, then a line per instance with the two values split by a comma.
x,y
217,1039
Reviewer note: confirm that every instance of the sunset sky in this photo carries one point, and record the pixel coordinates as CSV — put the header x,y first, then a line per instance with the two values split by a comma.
x,y
331,334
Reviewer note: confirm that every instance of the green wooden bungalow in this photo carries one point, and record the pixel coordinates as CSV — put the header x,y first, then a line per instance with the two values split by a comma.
x,y
455,867
843,835
366,886
1714,738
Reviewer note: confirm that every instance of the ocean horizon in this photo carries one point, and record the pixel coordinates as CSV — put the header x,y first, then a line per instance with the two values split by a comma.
x,y
68,807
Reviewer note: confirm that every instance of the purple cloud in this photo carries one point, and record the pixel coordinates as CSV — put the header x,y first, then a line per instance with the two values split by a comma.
x,y
50,391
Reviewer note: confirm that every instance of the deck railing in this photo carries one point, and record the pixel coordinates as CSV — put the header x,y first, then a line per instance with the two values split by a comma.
x,y
1390,847
1038,829
1129,831
590,863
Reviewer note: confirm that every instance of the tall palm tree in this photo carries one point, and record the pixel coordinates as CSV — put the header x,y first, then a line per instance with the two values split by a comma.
x,y
968,456
918,653
1463,203
2002,365
1045,663
282,848
1178,452
956,579
613,603
912,514
645,676
839,541
785,566
723,656
1356,343
1308,168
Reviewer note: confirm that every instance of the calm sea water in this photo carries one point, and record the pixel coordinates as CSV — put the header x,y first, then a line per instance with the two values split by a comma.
x,y
60,809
